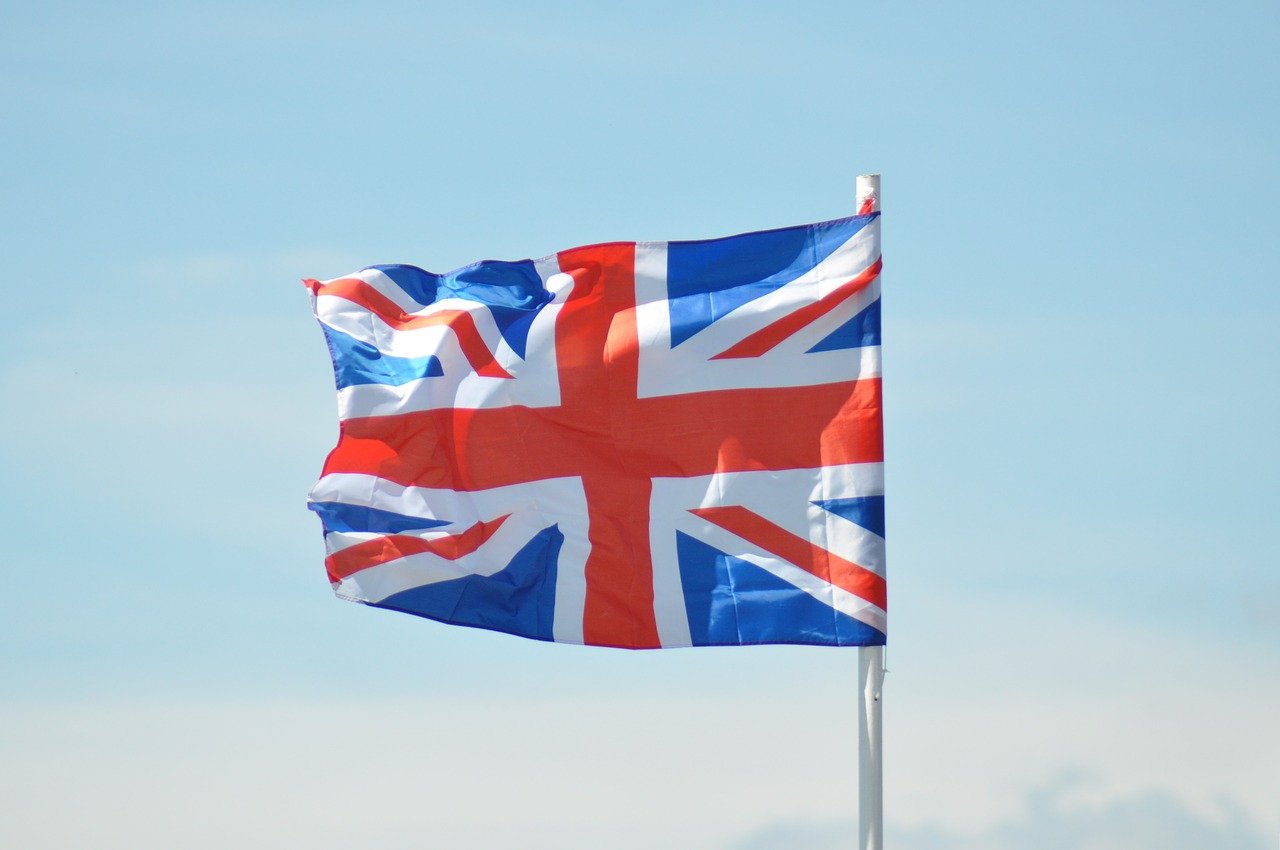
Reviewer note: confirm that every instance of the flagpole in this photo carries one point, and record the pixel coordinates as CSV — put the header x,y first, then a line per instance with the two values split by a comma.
x,y
870,666
870,749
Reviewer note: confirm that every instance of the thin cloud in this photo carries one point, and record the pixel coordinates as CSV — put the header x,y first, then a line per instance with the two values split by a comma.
x,y
1051,818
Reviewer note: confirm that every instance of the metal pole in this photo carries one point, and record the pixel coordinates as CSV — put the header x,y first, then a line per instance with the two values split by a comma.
x,y
870,749
870,666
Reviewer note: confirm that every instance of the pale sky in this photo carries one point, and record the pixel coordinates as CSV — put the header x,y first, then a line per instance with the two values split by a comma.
x,y
1081,316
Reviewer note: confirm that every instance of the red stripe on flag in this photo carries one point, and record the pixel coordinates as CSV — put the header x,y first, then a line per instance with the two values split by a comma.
x,y
461,449
771,335
823,563
460,322
380,550
753,429
619,604
598,359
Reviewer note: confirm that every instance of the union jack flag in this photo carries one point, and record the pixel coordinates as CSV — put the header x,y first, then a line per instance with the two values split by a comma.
x,y
632,444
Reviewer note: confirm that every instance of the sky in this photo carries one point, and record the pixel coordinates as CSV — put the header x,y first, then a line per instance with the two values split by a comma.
x,y
1081,368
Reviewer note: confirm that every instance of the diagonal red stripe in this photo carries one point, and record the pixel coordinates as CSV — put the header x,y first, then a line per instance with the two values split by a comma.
x,y
370,553
769,336
459,321
823,563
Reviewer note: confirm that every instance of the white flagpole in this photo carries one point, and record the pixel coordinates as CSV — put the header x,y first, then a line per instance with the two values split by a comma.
x,y
870,667
870,749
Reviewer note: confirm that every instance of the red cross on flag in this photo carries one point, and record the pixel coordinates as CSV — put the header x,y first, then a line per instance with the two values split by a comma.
x,y
633,444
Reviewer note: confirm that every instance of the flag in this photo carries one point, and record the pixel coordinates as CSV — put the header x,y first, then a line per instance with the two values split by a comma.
x,y
630,444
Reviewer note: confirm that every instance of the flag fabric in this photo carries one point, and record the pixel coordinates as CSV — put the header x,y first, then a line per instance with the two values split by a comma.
x,y
631,444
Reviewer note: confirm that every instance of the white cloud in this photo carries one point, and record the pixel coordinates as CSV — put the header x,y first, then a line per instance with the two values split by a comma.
x,y
763,767
1049,818
1033,690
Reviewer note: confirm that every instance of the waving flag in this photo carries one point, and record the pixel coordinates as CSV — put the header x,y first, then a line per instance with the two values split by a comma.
x,y
633,444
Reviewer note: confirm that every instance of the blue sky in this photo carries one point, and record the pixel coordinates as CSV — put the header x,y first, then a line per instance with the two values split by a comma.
x,y
1081,315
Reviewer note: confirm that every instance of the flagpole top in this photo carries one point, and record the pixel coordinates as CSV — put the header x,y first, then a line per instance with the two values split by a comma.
x,y
867,195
